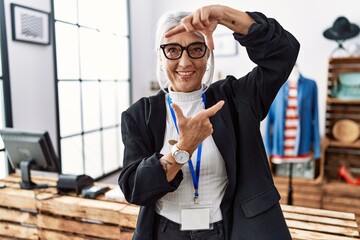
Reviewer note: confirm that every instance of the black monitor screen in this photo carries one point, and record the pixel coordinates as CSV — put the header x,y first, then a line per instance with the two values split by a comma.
x,y
30,150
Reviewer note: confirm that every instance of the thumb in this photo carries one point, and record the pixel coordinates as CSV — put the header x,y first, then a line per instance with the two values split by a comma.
x,y
214,109
179,114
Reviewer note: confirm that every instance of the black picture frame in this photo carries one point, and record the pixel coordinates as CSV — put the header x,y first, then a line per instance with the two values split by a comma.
x,y
30,25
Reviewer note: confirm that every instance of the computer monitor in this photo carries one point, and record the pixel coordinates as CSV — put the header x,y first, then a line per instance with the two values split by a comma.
x,y
28,150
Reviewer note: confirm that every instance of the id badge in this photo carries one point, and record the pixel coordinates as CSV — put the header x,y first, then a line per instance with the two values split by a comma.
x,y
196,217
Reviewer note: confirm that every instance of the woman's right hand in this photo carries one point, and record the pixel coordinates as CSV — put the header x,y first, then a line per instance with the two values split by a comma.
x,y
195,129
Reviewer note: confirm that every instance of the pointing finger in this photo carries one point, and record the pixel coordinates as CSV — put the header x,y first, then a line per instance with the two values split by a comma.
x,y
214,109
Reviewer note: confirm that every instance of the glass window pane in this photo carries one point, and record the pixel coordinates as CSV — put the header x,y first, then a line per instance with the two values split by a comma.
x,y
72,156
90,55
65,10
123,97
69,108
115,50
91,105
108,104
67,51
113,17
124,30
123,64
89,12
111,150
111,53
93,161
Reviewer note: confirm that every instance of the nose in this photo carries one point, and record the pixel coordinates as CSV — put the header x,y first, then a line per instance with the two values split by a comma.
x,y
184,60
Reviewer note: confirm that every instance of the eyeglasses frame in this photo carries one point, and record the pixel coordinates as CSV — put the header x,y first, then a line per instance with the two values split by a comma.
x,y
162,46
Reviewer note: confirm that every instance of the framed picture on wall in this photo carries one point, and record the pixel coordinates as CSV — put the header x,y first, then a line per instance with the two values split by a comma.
x,y
30,25
225,45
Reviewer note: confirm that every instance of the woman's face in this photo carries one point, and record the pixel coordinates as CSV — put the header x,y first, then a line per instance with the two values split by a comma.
x,y
185,73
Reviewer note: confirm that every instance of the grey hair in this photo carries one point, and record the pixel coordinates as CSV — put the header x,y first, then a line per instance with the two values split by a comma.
x,y
165,23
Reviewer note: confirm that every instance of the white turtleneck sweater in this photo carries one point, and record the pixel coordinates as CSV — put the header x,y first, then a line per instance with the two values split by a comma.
x,y
213,178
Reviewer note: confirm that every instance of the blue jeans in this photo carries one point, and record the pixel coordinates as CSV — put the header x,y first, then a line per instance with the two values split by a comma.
x,y
165,229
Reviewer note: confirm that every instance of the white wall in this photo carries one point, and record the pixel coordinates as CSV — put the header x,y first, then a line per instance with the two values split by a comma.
x,y
31,70
306,19
142,46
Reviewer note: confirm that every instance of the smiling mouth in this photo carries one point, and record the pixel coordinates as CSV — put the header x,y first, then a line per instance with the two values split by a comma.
x,y
185,74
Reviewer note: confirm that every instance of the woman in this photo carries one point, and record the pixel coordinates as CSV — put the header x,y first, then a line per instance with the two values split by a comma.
x,y
194,158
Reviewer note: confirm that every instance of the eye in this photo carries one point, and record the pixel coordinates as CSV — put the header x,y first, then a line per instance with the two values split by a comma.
x,y
172,49
197,48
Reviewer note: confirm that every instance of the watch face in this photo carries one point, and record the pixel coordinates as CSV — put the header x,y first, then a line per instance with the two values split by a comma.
x,y
181,157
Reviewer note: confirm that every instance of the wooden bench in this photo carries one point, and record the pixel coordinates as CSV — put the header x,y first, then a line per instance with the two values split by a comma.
x,y
43,214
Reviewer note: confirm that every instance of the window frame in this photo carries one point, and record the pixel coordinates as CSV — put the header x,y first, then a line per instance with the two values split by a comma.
x,y
102,128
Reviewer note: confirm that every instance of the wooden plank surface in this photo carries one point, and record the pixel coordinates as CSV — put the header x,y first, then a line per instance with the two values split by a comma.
x,y
129,216
319,212
310,223
17,231
17,216
323,228
48,234
72,217
17,198
108,212
79,227
317,219
298,234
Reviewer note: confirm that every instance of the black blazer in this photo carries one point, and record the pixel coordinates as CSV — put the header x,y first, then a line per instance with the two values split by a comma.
x,y
250,206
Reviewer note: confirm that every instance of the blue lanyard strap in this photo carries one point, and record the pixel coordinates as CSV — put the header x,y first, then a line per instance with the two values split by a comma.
x,y
195,174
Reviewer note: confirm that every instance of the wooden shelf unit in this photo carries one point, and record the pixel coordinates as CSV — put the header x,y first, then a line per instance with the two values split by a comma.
x,y
327,191
338,153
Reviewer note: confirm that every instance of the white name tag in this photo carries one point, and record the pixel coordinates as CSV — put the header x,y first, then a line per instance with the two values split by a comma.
x,y
195,218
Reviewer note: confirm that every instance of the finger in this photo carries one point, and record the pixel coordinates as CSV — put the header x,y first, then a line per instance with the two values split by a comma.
x,y
214,109
204,16
209,39
179,114
175,30
197,21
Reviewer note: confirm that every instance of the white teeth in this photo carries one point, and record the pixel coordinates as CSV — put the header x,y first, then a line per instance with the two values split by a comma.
x,y
185,73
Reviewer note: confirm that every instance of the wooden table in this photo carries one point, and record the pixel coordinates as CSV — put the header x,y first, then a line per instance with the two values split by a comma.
x,y
43,214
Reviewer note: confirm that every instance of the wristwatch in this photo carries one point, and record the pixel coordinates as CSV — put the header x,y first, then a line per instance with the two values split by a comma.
x,y
180,156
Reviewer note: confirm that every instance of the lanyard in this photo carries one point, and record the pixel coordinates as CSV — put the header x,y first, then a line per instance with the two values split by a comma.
x,y
195,174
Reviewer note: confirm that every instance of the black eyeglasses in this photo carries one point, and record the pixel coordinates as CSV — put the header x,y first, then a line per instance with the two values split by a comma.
x,y
173,51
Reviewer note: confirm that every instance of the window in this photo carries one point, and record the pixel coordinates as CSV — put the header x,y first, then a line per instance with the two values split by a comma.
x,y
92,48
5,105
